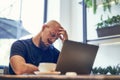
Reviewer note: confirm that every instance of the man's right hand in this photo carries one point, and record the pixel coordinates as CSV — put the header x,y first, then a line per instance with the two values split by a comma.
x,y
63,34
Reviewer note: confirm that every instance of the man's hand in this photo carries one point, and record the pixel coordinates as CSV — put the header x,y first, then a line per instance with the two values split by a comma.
x,y
63,34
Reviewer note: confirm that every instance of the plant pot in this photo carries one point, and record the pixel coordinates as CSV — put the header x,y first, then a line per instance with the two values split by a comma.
x,y
108,31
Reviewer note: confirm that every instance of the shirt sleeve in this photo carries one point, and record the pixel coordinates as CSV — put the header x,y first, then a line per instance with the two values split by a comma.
x,y
17,48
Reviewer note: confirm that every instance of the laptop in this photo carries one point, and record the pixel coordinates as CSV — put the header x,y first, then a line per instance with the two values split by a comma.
x,y
76,57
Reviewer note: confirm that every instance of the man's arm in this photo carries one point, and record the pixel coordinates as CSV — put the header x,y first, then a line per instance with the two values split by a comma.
x,y
19,65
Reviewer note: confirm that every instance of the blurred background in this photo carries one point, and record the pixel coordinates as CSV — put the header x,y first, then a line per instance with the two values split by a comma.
x,y
21,19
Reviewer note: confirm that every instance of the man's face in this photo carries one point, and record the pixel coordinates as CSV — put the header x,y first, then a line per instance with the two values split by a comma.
x,y
49,35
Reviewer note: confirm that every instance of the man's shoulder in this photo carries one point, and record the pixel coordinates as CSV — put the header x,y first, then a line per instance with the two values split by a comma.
x,y
22,41
53,48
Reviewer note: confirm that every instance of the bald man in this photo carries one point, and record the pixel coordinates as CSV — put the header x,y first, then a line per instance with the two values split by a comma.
x,y
26,55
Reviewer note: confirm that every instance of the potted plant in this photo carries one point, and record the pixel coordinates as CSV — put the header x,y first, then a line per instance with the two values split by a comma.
x,y
109,70
106,4
108,27
95,70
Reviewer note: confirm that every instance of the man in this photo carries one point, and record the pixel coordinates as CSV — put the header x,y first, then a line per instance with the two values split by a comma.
x,y
27,54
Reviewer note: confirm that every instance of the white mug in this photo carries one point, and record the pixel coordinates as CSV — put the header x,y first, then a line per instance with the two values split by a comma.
x,y
47,67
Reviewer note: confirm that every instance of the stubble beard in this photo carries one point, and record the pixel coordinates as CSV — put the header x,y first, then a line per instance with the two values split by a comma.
x,y
42,45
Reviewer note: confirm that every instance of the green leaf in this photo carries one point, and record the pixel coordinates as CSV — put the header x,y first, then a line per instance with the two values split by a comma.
x,y
94,6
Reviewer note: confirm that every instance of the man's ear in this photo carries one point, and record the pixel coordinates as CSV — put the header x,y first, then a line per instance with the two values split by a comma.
x,y
44,26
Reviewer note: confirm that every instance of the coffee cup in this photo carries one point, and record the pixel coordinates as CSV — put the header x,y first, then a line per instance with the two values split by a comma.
x,y
47,67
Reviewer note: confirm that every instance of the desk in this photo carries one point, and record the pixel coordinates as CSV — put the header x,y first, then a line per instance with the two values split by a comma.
x,y
59,77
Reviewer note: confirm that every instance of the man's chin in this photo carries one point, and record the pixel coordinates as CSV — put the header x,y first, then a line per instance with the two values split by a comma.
x,y
47,45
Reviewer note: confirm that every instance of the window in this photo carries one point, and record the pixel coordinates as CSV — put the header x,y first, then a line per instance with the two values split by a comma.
x,y
30,12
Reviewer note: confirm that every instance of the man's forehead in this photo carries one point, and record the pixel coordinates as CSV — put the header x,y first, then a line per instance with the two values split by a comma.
x,y
54,26
54,30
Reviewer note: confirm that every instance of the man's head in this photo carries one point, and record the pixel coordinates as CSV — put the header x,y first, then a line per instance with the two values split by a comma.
x,y
50,33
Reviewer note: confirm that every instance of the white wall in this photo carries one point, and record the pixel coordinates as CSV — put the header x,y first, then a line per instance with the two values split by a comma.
x,y
71,17
65,13
53,10
76,21
108,55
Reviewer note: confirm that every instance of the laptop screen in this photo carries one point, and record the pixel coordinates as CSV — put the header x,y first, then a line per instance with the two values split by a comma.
x,y
76,57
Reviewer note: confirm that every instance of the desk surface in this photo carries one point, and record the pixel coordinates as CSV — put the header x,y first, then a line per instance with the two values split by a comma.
x,y
59,77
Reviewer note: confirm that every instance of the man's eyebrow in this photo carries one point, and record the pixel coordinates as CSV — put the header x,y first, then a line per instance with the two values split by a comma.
x,y
53,33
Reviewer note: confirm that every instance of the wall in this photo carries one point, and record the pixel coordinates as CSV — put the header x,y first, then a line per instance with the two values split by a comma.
x,y
71,17
108,55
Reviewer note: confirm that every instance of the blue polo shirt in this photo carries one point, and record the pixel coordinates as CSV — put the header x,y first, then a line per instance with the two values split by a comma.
x,y
32,54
